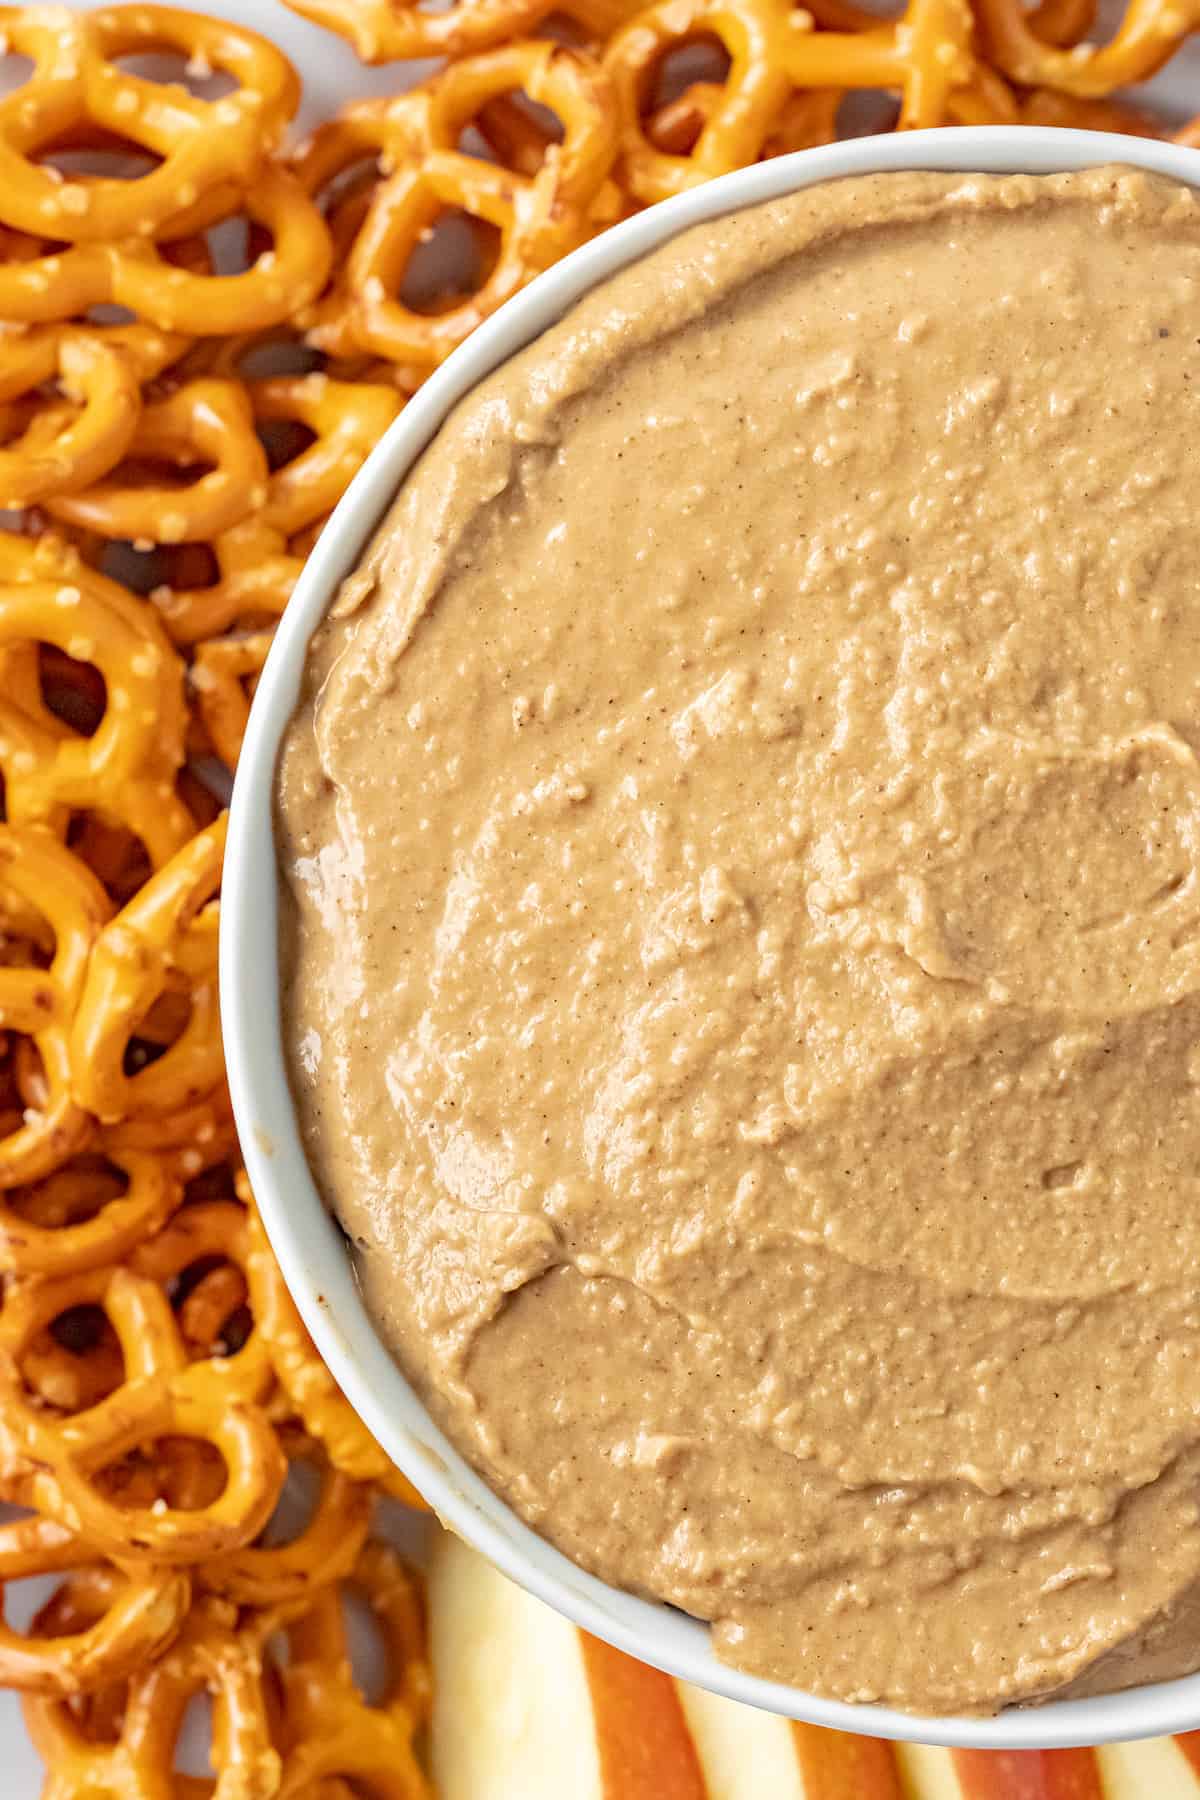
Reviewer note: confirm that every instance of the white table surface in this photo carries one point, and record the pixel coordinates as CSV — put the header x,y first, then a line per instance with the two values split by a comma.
x,y
331,75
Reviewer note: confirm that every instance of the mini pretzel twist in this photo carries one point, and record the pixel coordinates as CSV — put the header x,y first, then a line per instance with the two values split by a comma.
x,y
1149,33
30,357
804,120
1046,107
189,1140
387,30
256,564
328,1730
204,422
416,137
76,83
754,33
75,1362
125,770
102,368
41,1004
210,1655
138,273
94,435
325,1550
166,935
318,1401
102,1623
73,1220
198,1232
59,1461
774,50
224,676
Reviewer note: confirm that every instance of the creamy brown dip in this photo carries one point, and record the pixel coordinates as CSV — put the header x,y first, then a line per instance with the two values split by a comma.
x,y
741,846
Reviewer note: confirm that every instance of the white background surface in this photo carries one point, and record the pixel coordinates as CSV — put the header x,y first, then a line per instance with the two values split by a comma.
x,y
331,75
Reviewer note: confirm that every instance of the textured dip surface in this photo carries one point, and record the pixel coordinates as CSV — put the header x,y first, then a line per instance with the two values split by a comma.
x,y
739,844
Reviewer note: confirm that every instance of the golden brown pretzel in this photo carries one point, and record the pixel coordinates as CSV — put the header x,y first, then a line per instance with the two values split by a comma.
x,y
325,1550
755,34
211,1654
257,567
198,1233
76,83
224,676
167,934
95,432
101,1625
125,771
775,49
84,1215
383,30
328,1730
205,422
1150,32
538,218
192,1140
41,1004
166,290
804,120
73,1363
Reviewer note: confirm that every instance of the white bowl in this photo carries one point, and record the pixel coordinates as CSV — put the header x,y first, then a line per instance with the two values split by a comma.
x,y
306,1240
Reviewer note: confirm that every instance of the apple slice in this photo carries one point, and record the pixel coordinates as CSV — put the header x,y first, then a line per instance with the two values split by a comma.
x,y
528,1708
1155,1769
745,1754
1028,1774
838,1766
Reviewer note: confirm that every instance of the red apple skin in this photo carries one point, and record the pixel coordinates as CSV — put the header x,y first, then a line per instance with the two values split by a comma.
x,y
1028,1774
645,1748
838,1766
1189,1743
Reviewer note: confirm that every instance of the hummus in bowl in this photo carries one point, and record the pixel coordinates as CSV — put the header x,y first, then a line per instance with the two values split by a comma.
x,y
737,936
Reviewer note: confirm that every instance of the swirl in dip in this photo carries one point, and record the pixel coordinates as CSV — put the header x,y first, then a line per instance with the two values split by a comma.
x,y
742,933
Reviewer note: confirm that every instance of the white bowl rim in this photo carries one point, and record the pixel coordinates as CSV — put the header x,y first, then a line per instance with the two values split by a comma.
x,y
310,1248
